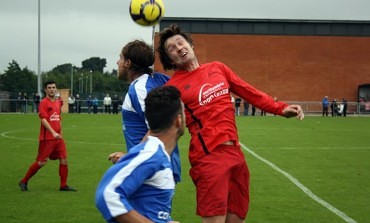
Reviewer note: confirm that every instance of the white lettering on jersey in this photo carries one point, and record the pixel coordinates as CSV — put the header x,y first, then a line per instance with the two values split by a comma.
x,y
54,117
206,95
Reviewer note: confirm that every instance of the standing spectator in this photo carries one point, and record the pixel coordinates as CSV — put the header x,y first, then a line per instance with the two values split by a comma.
x,y
78,103
51,142
19,102
25,103
238,101
115,103
334,108
36,101
95,103
59,100
218,167
89,104
325,106
107,101
71,103
253,110
140,186
246,107
263,113
345,105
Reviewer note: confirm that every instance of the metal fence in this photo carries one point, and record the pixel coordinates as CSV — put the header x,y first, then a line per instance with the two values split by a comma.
x,y
309,107
28,106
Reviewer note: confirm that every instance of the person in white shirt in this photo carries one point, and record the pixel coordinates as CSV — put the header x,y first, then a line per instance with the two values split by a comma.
x,y
107,103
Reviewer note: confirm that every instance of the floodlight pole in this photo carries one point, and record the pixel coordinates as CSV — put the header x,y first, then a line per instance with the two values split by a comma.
x,y
90,81
71,79
39,53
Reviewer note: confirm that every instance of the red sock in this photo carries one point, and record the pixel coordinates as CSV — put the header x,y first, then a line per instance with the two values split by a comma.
x,y
31,171
63,173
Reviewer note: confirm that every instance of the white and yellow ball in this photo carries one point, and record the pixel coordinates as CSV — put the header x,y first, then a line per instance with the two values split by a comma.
x,y
146,12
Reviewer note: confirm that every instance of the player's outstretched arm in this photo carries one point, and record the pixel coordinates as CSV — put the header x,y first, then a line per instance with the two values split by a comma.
x,y
294,111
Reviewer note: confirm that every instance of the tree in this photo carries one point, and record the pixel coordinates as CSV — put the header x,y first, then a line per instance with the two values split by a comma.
x,y
94,64
16,79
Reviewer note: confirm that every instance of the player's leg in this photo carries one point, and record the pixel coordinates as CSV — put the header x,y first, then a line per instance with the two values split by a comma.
x,y
42,157
61,154
212,176
238,204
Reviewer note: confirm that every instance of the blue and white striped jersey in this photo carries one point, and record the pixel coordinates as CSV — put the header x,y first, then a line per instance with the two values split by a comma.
x,y
141,180
134,124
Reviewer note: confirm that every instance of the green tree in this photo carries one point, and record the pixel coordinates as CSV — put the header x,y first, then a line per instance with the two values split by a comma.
x,y
16,79
94,64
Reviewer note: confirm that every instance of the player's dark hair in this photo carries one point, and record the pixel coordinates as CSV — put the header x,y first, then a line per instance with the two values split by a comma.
x,y
141,55
162,106
49,82
166,33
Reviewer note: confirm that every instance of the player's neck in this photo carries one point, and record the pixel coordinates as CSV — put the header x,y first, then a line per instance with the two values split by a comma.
x,y
169,140
51,98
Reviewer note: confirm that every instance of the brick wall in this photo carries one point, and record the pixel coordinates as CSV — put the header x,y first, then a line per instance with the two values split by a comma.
x,y
292,68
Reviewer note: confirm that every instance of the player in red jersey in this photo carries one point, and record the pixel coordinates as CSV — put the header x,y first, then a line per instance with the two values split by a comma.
x,y
219,170
51,143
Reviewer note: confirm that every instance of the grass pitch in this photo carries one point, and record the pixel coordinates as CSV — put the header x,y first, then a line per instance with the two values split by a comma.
x,y
327,156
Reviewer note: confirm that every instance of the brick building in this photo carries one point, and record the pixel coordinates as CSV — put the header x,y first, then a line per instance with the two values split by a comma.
x,y
294,60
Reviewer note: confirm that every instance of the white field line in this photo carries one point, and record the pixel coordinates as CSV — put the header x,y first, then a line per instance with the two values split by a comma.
x,y
6,135
301,186
318,148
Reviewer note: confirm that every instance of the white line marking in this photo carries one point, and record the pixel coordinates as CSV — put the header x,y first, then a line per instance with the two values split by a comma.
x,y
302,187
319,148
5,135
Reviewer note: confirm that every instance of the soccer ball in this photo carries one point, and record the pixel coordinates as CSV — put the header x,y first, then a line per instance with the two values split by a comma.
x,y
146,12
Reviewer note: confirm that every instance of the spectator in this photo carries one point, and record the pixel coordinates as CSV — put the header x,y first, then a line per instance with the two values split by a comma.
x,y
238,101
325,106
246,108
89,104
78,102
334,108
25,103
71,103
95,103
36,101
345,105
107,101
115,103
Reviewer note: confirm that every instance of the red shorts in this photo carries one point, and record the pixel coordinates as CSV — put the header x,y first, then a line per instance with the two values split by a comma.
x,y
222,182
51,149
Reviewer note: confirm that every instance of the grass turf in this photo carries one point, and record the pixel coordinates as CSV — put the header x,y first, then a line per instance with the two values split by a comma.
x,y
329,156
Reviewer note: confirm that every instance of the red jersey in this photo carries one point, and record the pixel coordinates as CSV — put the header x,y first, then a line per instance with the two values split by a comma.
x,y
210,115
50,110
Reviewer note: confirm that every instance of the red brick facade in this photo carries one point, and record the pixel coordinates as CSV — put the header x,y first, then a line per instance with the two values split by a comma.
x,y
292,68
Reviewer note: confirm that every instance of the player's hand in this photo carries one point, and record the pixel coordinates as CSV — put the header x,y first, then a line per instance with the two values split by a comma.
x,y
57,136
173,222
114,157
294,111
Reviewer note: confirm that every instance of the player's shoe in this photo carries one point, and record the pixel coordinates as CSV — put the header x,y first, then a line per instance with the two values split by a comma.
x,y
67,188
23,186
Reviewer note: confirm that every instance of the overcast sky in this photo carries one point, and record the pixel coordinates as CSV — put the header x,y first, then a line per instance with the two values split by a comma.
x,y
75,30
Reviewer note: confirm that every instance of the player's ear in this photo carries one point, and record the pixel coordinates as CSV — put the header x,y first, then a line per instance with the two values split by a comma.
x,y
127,63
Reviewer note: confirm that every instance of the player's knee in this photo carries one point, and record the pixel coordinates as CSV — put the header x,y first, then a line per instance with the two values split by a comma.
x,y
42,163
63,161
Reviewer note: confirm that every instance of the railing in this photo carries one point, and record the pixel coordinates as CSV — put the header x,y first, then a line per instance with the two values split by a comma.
x,y
28,106
309,107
